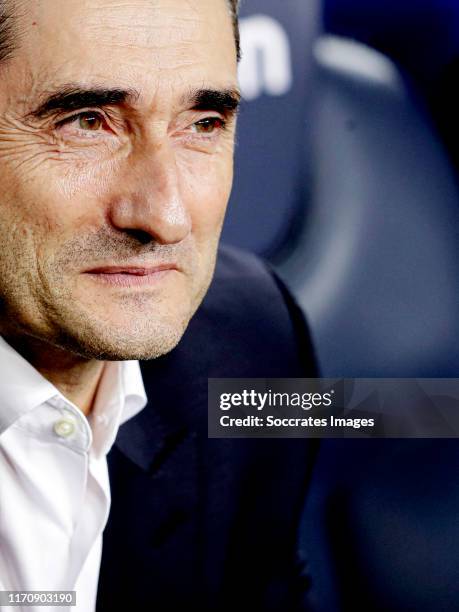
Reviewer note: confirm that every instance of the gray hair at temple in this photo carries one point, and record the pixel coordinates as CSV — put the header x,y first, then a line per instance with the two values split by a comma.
x,y
9,35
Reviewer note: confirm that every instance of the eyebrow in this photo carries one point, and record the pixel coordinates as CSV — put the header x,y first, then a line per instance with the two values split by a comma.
x,y
72,98
224,101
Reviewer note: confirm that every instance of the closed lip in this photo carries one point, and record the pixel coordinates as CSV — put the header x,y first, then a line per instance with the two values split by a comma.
x,y
134,270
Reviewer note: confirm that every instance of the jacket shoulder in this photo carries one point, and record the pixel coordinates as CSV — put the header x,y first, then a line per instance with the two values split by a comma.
x,y
257,316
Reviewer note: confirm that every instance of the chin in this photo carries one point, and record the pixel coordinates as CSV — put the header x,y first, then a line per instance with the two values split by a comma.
x,y
138,339
125,348
138,325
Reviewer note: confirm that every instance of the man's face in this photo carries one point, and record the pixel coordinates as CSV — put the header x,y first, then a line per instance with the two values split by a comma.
x,y
116,147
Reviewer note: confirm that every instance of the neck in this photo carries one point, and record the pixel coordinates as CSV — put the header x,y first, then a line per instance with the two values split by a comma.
x,y
75,377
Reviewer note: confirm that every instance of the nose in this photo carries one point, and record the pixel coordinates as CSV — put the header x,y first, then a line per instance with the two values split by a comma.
x,y
148,198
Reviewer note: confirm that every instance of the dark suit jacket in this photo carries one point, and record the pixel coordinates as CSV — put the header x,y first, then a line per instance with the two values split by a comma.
x,y
207,524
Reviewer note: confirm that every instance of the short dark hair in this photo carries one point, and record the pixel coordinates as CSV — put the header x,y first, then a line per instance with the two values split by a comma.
x,y
8,37
234,7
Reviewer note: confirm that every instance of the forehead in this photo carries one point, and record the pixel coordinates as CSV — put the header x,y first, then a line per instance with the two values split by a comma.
x,y
168,45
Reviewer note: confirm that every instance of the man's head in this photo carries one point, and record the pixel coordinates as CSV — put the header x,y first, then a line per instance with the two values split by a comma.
x,y
116,143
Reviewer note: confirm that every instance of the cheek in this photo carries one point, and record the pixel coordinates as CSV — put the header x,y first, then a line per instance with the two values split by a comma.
x,y
205,186
62,200
25,205
81,182
38,206
38,217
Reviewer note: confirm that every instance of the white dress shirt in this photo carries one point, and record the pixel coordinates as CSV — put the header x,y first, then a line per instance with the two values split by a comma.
x,y
54,486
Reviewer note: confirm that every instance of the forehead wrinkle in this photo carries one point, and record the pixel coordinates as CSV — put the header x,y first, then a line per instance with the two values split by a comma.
x,y
129,25
169,46
139,20
147,28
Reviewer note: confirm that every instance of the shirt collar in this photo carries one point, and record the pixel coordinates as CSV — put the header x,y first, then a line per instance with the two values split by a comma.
x,y
22,387
134,390
120,396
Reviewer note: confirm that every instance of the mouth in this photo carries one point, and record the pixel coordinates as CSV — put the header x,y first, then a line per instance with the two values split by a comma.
x,y
132,276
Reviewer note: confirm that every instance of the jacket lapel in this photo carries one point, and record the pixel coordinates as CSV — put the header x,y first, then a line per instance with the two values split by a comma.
x,y
154,520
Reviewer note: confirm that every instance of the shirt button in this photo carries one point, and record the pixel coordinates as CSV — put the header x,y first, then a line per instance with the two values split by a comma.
x,y
64,427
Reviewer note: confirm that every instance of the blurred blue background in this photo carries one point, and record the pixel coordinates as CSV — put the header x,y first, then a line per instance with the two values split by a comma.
x,y
346,175
420,35
346,181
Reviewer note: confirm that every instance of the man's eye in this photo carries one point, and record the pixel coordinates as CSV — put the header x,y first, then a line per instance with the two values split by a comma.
x,y
209,125
88,121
